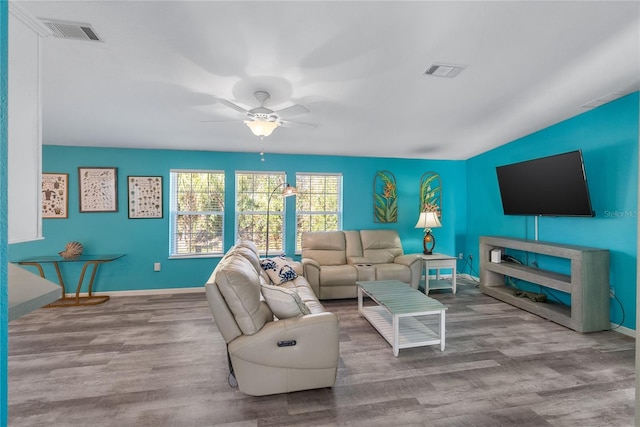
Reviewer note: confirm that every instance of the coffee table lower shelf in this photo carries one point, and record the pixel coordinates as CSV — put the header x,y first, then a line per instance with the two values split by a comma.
x,y
411,332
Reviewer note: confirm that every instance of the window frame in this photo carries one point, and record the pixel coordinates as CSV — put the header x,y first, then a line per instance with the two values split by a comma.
x,y
275,179
174,213
339,212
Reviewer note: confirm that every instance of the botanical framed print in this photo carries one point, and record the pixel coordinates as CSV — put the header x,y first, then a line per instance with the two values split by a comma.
x,y
431,193
385,198
98,189
145,196
55,195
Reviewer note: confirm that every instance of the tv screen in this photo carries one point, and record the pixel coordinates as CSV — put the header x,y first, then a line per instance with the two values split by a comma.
x,y
550,186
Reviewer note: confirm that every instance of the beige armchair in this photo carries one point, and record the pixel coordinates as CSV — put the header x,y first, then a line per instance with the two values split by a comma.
x,y
330,260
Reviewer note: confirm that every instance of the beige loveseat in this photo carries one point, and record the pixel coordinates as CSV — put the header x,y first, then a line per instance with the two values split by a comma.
x,y
269,355
331,261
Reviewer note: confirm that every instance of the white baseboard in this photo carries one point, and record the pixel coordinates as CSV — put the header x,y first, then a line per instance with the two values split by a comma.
x,y
620,329
624,331
142,292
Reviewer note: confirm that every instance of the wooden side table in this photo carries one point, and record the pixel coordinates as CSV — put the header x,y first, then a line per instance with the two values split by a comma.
x,y
89,260
437,262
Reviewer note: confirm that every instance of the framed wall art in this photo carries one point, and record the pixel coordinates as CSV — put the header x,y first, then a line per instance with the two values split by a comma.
x,y
98,189
145,196
55,195
431,193
385,198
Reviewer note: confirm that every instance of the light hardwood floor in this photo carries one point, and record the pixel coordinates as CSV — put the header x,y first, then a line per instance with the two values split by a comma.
x,y
160,361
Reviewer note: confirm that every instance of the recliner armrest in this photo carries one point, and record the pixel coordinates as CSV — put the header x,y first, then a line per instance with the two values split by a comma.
x,y
311,269
358,260
407,260
414,262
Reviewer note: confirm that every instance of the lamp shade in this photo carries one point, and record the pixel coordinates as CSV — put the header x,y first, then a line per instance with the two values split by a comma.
x,y
289,191
261,127
428,220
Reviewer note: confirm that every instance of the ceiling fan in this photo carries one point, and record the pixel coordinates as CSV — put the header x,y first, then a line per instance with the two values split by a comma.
x,y
262,120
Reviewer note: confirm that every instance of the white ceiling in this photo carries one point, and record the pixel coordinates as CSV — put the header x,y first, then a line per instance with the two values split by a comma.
x,y
358,66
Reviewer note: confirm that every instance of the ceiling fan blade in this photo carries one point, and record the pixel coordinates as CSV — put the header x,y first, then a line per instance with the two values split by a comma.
x,y
232,105
222,121
291,123
292,110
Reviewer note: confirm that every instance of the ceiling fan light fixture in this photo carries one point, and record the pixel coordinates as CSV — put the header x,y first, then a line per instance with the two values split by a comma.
x,y
261,127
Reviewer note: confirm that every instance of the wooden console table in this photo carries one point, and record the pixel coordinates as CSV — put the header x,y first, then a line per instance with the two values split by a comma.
x,y
587,284
88,260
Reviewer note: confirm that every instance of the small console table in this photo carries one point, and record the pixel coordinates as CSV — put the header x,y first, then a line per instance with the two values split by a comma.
x,y
88,260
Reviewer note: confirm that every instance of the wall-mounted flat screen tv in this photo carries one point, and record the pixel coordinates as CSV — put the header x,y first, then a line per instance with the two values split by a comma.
x,y
549,186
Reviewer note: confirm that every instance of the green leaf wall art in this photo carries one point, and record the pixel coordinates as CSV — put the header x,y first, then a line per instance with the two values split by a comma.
x,y
385,197
431,193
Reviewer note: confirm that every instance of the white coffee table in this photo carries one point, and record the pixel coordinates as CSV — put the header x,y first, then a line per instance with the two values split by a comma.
x,y
394,316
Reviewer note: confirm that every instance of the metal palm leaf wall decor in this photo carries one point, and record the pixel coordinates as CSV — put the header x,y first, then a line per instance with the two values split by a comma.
x,y
385,198
431,193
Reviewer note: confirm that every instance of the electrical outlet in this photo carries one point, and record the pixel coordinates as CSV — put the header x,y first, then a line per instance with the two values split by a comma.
x,y
460,255
156,266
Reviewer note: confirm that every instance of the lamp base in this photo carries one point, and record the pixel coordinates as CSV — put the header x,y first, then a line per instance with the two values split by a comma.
x,y
428,243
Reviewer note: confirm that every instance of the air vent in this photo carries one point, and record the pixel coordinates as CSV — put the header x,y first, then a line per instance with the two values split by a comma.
x,y
71,30
444,70
602,100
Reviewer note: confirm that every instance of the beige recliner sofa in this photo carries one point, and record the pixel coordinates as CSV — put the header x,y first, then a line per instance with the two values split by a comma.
x,y
331,261
298,351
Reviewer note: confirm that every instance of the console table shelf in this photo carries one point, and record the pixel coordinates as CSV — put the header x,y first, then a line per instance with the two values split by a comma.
x,y
588,283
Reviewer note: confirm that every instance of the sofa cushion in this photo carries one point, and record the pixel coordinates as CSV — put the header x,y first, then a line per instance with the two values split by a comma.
x,y
246,253
278,269
380,246
284,303
338,275
239,284
326,247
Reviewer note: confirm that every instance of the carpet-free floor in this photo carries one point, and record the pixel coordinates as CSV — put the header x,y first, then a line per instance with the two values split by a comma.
x,y
160,361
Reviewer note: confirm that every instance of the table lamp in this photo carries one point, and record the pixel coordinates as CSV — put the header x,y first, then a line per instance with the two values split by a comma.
x,y
428,220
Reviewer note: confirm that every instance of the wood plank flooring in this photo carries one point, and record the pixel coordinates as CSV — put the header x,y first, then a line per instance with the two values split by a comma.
x,y
160,361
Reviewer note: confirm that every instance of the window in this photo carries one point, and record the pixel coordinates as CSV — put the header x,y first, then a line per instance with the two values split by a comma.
x,y
257,193
197,213
318,204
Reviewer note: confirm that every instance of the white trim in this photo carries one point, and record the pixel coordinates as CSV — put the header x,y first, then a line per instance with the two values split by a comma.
x,y
622,330
27,19
141,292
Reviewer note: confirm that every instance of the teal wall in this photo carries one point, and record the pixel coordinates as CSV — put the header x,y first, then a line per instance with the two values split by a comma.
x,y
608,138
4,313
145,241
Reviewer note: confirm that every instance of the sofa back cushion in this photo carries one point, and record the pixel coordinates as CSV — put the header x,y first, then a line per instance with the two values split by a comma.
x,y
380,246
246,253
239,284
354,244
325,247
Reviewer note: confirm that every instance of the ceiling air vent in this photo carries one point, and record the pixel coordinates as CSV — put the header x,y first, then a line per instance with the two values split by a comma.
x,y
444,70
602,100
71,30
